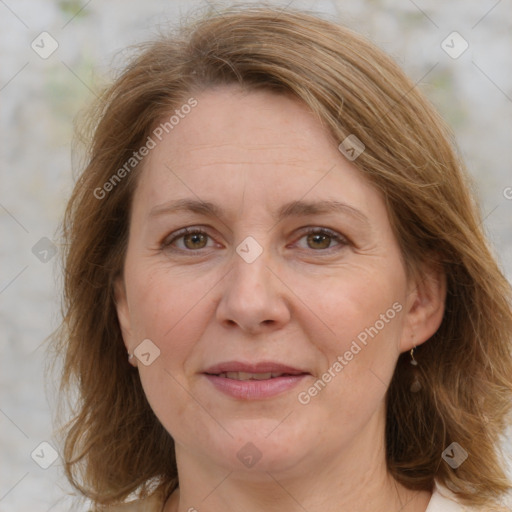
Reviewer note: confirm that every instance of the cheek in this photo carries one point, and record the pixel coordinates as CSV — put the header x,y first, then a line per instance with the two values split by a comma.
x,y
170,310
359,354
355,304
363,309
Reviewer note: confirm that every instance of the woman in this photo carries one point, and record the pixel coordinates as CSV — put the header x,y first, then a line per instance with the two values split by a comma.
x,y
278,293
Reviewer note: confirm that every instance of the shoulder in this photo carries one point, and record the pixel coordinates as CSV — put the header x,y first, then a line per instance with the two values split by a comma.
x,y
443,500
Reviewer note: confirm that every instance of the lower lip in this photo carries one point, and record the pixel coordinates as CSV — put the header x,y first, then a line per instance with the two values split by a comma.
x,y
255,389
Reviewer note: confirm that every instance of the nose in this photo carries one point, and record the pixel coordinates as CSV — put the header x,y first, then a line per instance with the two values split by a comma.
x,y
253,298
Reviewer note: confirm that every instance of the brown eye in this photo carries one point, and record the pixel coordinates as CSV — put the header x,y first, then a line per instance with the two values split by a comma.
x,y
322,240
195,240
319,240
188,239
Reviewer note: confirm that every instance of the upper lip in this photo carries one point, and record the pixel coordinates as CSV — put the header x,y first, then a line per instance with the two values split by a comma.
x,y
260,367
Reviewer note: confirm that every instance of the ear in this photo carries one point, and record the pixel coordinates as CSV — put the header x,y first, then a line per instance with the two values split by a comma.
x,y
123,315
425,305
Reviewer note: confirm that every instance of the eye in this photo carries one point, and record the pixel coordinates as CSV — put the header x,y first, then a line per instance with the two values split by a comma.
x,y
194,239
322,238
188,239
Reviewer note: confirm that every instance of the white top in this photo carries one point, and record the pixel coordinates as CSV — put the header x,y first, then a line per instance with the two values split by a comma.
x,y
442,500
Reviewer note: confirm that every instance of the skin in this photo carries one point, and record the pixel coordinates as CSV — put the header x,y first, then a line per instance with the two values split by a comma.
x,y
301,302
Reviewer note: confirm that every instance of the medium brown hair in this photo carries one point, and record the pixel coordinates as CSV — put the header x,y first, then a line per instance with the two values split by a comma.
x,y
114,444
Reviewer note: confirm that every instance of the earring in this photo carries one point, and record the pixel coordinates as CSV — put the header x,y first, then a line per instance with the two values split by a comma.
x,y
130,359
416,384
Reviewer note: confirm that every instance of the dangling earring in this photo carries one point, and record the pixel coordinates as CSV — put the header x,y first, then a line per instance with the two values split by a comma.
x,y
416,384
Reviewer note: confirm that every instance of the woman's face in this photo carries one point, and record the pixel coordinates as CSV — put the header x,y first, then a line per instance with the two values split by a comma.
x,y
276,322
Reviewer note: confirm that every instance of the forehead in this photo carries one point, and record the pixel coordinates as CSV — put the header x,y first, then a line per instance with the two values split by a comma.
x,y
232,121
255,143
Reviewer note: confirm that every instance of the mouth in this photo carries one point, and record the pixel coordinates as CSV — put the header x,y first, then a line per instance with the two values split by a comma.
x,y
252,376
254,381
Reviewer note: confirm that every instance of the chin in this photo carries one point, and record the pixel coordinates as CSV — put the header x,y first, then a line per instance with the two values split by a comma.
x,y
264,445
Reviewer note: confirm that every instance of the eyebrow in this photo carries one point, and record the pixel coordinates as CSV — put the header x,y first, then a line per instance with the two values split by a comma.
x,y
291,209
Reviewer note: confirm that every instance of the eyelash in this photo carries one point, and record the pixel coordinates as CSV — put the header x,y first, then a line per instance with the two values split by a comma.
x,y
167,243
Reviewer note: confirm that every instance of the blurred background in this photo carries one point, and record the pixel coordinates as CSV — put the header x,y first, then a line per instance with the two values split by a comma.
x,y
55,57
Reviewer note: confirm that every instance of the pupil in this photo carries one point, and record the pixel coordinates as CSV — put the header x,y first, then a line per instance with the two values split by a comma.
x,y
192,241
322,240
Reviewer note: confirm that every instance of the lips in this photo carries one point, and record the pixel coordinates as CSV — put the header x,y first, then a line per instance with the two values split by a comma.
x,y
251,381
250,376
255,369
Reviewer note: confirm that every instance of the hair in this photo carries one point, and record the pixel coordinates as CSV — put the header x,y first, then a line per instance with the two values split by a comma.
x,y
114,445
